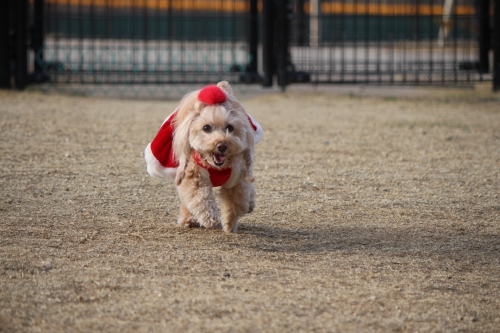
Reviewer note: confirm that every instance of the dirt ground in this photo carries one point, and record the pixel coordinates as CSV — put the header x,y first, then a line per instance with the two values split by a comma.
x,y
376,212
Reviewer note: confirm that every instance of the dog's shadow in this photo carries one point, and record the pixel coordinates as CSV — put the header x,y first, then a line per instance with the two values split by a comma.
x,y
452,244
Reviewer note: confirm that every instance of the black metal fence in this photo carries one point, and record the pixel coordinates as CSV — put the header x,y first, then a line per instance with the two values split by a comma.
x,y
152,42
145,41
404,42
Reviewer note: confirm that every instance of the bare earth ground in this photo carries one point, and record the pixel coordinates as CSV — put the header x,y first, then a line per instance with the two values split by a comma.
x,y
375,214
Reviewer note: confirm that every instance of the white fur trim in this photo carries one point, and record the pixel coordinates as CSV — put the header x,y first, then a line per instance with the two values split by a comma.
x,y
259,133
155,169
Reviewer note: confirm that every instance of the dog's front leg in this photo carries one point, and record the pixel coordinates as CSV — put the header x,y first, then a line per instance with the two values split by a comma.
x,y
197,197
186,219
236,202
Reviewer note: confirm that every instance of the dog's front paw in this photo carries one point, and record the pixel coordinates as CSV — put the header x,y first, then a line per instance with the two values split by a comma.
x,y
189,222
230,227
210,222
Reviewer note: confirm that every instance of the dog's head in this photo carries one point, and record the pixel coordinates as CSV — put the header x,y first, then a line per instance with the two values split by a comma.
x,y
214,124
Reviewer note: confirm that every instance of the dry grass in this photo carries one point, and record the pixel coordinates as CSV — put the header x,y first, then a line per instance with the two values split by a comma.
x,y
375,214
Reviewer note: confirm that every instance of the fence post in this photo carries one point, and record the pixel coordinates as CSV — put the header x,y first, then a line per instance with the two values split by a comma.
x,y
483,18
37,36
300,27
251,74
283,42
253,35
496,47
20,27
267,43
5,47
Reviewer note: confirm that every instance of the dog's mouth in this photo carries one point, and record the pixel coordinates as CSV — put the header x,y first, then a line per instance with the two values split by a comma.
x,y
218,159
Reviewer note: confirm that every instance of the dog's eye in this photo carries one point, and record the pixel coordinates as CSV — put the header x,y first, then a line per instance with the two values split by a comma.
x,y
207,128
229,128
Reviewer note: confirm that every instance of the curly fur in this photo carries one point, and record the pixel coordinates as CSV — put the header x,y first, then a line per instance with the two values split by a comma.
x,y
198,204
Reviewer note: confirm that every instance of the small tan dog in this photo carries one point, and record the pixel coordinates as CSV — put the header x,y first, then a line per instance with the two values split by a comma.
x,y
208,141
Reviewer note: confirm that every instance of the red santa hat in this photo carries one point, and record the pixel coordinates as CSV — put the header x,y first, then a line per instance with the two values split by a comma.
x,y
159,153
212,95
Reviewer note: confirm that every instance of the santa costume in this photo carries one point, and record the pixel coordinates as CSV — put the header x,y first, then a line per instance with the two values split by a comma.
x,y
159,153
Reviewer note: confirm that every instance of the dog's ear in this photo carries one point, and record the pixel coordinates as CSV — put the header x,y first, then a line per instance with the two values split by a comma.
x,y
226,87
182,148
188,109
249,151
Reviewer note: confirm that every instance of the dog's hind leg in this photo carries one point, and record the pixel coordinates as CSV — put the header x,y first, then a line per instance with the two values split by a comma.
x,y
236,202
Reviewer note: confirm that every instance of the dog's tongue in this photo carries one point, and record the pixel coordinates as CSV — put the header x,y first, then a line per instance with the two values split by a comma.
x,y
218,158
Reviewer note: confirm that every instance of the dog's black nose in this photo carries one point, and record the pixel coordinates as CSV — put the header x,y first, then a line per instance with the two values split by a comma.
x,y
221,147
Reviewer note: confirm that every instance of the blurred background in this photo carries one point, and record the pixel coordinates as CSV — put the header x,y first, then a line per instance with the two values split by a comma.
x,y
133,46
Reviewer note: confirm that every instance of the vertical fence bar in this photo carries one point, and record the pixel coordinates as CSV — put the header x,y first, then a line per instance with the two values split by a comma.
x,y
81,46
300,26
253,37
355,40
483,18
367,41
159,38
417,41
404,41
69,35
431,18
93,41
5,54
392,45
251,74
455,43
282,41
21,43
182,36
107,37
223,35
328,40
232,37
343,42
134,31
496,47
267,43
378,19
170,37
145,41
37,42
